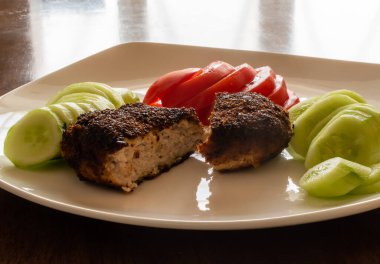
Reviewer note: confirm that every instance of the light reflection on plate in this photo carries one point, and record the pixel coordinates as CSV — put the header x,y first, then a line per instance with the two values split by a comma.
x,y
203,193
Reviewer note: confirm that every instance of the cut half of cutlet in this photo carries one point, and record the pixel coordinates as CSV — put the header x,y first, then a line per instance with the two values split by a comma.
x,y
246,129
121,147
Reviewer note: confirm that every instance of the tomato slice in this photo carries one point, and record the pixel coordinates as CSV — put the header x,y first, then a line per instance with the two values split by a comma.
x,y
280,93
264,82
293,100
166,82
234,82
203,114
211,74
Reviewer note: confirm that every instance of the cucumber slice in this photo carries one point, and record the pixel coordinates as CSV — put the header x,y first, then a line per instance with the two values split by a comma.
x,y
100,89
334,177
80,98
84,87
367,188
98,101
64,114
372,185
100,105
75,109
114,97
375,174
301,107
34,139
351,134
357,97
86,107
305,123
321,124
128,96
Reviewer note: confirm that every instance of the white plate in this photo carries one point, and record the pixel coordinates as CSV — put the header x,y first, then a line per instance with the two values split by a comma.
x,y
191,195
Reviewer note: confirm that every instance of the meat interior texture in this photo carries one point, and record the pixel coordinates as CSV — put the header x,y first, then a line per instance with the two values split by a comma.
x,y
124,146
246,129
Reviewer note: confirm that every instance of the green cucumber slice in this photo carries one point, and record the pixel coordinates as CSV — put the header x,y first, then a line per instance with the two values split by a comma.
x,y
128,96
98,101
357,97
375,174
321,124
367,188
114,97
100,89
301,107
84,87
372,185
80,98
305,123
74,108
64,114
334,177
351,134
100,105
86,107
34,139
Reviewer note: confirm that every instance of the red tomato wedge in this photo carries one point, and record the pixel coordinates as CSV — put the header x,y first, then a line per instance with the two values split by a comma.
x,y
280,93
164,84
203,115
234,82
264,82
211,74
293,100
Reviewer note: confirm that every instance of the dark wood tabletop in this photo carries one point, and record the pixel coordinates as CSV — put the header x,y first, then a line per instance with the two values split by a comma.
x,y
39,37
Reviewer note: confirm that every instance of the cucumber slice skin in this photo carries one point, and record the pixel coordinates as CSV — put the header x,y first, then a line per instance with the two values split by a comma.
x,y
307,121
334,177
352,134
34,139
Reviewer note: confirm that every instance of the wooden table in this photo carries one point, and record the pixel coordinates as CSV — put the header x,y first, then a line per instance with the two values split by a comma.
x,y
38,37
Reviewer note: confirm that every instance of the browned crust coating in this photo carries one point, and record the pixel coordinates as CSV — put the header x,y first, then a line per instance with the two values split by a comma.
x,y
99,133
245,126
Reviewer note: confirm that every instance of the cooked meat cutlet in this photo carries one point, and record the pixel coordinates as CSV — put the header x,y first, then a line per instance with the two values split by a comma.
x,y
246,129
121,147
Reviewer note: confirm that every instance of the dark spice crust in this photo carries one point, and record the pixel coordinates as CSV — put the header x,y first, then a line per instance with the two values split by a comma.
x,y
242,122
99,133
247,111
110,127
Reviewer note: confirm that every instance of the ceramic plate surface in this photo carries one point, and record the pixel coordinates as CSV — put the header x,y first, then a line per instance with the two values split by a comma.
x,y
191,195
